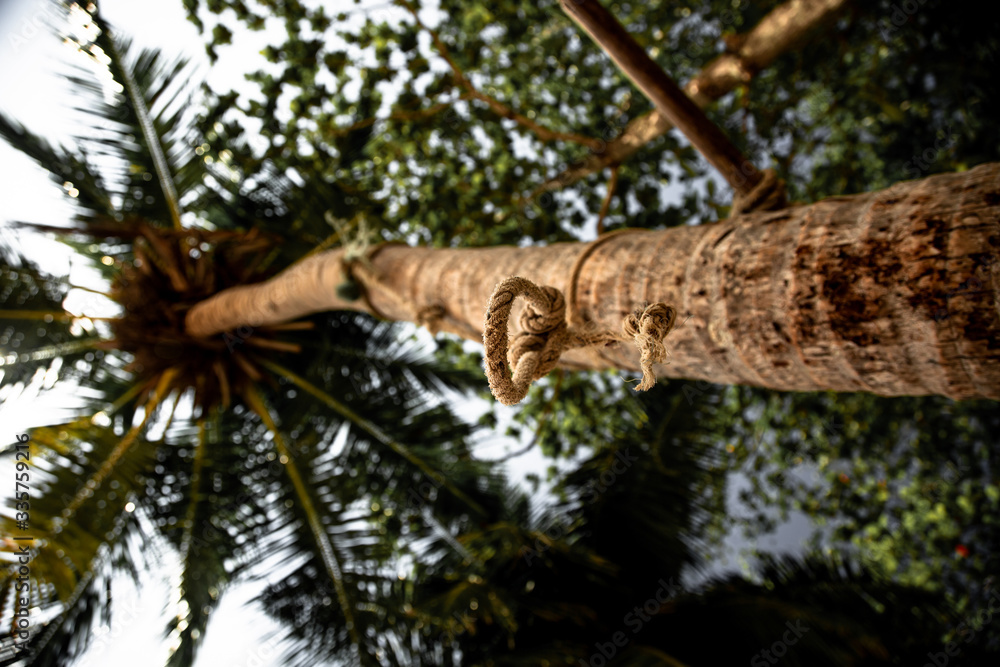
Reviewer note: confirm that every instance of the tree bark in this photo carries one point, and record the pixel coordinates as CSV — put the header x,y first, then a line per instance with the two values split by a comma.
x,y
894,292
785,28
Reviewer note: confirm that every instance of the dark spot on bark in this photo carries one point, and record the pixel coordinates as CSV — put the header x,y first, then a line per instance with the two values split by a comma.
x,y
852,308
981,325
780,363
940,230
992,198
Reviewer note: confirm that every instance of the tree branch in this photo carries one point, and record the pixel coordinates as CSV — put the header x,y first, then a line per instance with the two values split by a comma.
x,y
783,29
543,133
670,100
607,199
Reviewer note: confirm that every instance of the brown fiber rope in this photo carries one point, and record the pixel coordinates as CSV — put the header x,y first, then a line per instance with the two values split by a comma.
x,y
768,195
362,270
545,334
571,316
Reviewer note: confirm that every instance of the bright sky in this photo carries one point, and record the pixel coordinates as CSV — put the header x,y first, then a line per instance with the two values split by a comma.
x,y
30,90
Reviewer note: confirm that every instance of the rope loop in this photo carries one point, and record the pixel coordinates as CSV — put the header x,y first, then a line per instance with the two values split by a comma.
x,y
535,352
768,195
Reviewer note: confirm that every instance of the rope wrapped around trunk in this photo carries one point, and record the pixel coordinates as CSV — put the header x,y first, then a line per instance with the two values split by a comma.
x,y
535,351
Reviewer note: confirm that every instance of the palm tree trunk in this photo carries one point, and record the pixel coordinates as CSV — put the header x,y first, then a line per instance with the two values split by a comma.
x,y
894,292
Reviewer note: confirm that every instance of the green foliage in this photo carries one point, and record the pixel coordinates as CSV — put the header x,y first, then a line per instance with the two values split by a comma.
x,y
907,485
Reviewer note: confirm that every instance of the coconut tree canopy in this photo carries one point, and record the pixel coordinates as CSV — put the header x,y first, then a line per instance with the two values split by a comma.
x,y
302,439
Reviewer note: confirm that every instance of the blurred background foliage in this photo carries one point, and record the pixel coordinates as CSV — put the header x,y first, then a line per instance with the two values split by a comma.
x,y
363,111
890,92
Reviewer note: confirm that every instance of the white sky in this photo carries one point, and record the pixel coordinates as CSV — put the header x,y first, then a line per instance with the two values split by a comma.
x,y
30,91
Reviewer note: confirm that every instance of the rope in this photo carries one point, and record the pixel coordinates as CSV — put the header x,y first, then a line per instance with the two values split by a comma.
x,y
360,273
536,350
574,274
767,195
648,329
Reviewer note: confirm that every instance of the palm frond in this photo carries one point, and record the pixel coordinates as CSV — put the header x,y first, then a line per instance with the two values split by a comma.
x,y
35,329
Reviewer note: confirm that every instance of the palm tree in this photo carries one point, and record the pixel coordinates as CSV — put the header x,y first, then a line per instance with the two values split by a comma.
x,y
822,297
838,295
264,439
304,441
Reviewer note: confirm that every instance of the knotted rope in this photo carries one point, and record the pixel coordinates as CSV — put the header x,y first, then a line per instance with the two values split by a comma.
x,y
536,350
767,195
648,330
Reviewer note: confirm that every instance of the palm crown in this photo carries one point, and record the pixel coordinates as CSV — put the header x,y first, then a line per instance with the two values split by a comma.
x,y
183,441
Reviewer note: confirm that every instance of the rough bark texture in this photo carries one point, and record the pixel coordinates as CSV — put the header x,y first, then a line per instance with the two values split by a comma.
x,y
894,292
785,28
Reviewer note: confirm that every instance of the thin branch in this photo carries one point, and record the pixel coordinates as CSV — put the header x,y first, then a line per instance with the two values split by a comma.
x,y
607,199
543,133
414,114
301,325
269,344
89,289
542,422
787,26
